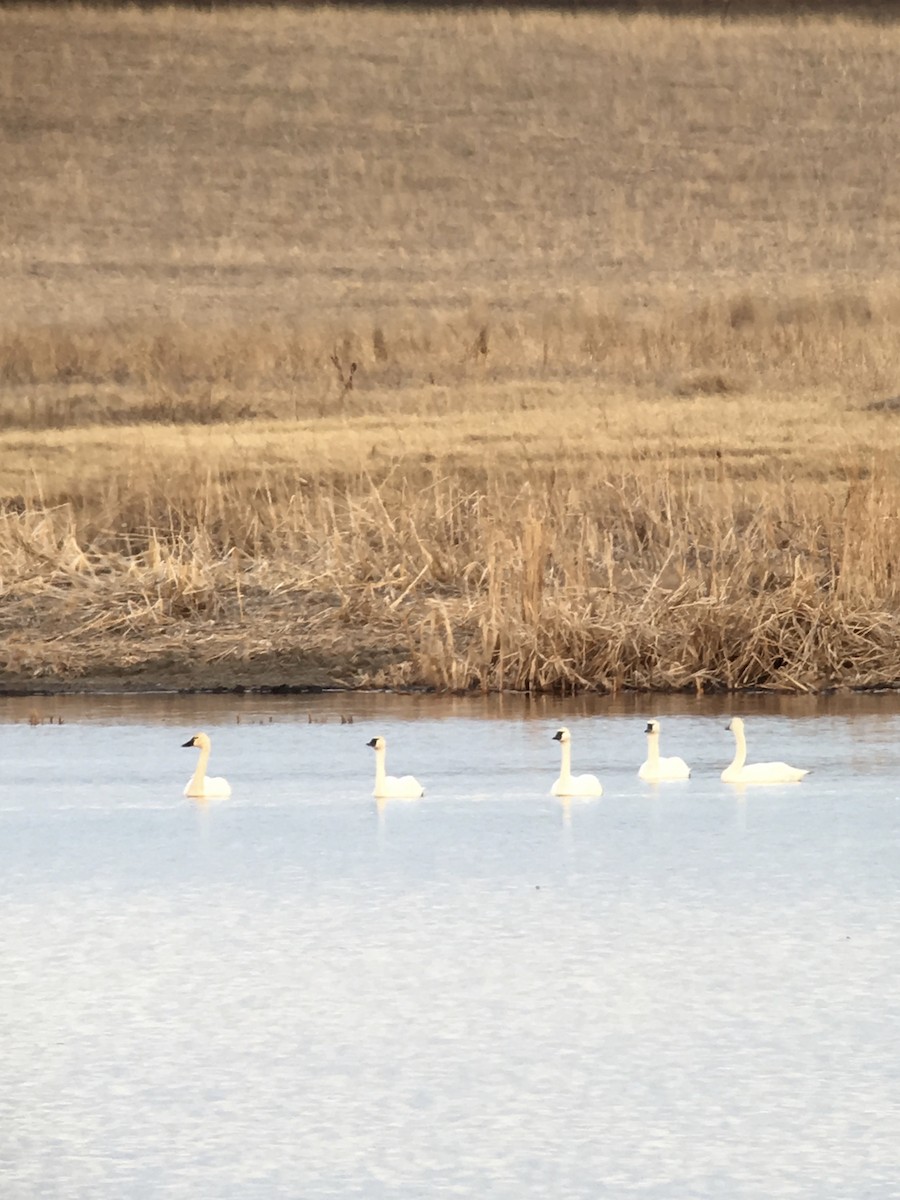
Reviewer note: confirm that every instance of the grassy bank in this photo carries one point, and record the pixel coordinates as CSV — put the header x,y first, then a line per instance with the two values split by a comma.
x,y
459,350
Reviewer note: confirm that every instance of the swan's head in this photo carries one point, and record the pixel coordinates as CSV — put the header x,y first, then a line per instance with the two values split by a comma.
x,y
652,727
562,735
377,743
200,740
736,725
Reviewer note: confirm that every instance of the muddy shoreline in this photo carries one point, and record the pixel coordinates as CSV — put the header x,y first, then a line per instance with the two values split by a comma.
x,y
263,677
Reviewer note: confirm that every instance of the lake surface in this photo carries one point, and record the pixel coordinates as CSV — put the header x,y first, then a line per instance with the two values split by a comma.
x,y
672,992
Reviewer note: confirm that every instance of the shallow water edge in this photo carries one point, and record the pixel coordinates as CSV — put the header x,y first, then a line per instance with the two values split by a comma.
x,y
124,684
314,705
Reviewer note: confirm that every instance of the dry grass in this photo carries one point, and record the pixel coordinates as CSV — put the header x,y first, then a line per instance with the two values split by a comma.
x,y
284,166
434,569
56,377
470,350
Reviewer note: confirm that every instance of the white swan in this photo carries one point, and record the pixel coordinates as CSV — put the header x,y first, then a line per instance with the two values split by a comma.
x,y
771,772
569,784
655,768
390,787
200,785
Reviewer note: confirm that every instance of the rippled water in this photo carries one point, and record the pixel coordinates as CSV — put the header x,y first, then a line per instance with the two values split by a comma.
x,y
671,992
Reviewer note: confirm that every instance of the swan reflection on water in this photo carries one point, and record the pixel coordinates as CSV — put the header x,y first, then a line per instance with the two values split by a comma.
x,y
565,808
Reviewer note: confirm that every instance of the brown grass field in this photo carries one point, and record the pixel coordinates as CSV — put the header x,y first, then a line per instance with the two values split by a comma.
x,y
623,300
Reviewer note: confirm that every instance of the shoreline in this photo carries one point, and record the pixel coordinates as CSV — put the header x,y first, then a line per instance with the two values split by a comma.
x,y
113,685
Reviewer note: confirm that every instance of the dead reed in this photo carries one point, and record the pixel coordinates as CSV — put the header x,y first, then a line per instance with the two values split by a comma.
x,y
651,578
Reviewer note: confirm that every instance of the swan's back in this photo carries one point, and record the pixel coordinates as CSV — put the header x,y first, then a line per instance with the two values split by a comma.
x,y
577,785
773,772
402,787
215,787
665,769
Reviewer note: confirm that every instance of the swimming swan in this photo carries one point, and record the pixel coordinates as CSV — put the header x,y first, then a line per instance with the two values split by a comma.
x,y
772,772
569,784
390,787
655,768
200,785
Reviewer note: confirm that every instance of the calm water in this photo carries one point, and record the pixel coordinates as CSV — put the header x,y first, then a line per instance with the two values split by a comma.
x,y
674,992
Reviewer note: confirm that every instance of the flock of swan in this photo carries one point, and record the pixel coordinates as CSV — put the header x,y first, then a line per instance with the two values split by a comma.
x,y
655,769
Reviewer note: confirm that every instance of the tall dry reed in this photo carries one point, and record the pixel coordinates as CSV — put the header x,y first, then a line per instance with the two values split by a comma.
x,y
649,578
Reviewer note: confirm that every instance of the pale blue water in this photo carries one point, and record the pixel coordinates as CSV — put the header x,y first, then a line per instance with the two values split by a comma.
x,y
671,992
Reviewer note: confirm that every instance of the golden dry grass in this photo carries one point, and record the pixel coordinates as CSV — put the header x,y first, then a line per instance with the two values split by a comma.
x,y
622,300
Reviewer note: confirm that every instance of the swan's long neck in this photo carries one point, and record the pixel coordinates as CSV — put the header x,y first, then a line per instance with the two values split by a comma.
x,y
565,770
200,774
380,771
653,749
740,749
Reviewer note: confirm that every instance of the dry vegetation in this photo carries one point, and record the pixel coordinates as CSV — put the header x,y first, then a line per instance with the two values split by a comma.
x,y
464,350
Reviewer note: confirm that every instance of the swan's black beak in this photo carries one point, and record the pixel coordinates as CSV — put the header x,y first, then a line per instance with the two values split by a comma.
x,y
372,743
649,729
557,737
187,744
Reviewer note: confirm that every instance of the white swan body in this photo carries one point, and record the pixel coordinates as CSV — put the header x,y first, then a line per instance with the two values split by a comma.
x,y
569,784
392,787
657,769
200,785
771,772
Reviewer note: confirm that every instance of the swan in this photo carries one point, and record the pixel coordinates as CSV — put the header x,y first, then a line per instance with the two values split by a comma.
x,y
772,772
200,785
569,784
390,787
655,768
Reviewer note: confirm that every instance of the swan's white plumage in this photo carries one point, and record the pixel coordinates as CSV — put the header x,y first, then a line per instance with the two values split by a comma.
x,y
568,784
770,772
201,786
656,769
392,787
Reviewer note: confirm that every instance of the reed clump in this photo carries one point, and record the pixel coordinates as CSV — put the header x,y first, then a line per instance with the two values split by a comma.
x,y
651,578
